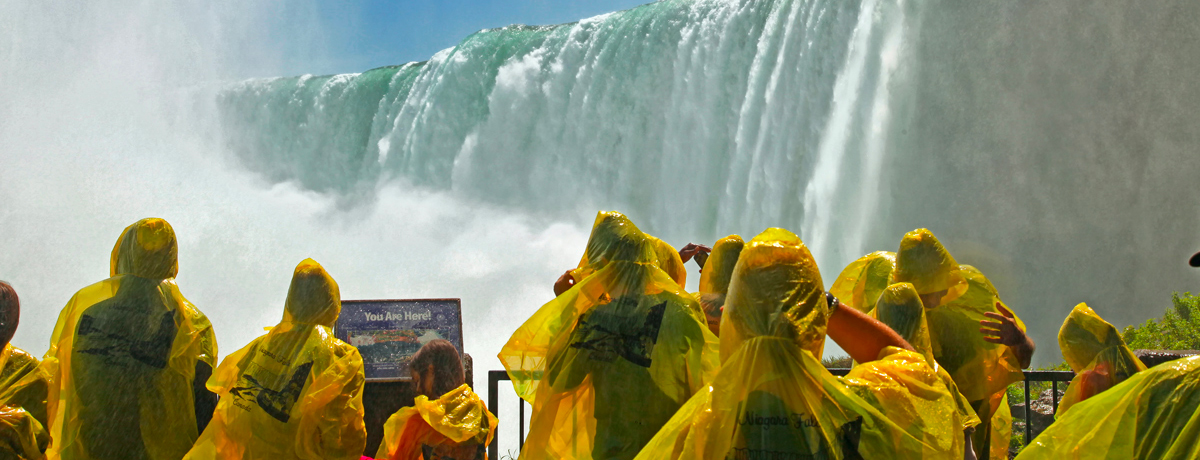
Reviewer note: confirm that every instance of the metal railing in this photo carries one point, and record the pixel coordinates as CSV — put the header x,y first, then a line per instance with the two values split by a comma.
x,y
494,378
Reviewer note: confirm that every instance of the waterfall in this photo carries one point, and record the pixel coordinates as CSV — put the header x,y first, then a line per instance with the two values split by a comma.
x,y
695,117
1041,146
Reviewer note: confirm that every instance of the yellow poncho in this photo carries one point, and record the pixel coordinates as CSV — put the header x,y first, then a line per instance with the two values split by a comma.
x,y
24,387
714,279
607,363
860,283
21,436
772,398
1094,350
455,426
294,393
1153,415
980,368
900,308
123,356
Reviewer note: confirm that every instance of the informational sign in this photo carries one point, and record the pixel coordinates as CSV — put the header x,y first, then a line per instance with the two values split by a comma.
x,y
388,333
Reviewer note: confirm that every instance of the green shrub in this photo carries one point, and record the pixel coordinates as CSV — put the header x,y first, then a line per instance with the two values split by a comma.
x,y
1178,329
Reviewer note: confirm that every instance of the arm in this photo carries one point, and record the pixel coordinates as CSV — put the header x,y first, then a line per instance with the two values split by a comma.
x,y
1004,331
862,336
205,401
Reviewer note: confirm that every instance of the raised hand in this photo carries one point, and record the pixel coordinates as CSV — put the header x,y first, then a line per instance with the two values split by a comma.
x,y
1003,330
699,251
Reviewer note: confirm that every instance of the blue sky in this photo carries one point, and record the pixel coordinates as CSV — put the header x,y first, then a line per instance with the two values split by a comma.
x,y
364,34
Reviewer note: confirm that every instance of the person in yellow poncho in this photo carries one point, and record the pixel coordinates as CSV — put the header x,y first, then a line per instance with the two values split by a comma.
x,y
1152,415
23,389
714,278
128,357
772,398
294,393
606,363
1095,351
974,336
448,421
899,307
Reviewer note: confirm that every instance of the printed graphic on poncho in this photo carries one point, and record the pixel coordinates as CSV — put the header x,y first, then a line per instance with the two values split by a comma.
x,y
617,329
766,429
108,331
388,333
275,401
465,451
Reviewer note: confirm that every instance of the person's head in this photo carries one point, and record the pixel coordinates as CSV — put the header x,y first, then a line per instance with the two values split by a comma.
x,y
615,238
776,290
669,260
146,249
10,313
313,297
1195,260
924,262
899,307
1084,336
436,369
718,269
860,283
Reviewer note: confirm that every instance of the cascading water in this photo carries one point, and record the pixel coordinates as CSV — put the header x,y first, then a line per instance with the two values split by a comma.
x,y
1052,145
850,122
693,117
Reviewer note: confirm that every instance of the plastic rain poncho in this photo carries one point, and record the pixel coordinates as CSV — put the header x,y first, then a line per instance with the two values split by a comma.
x,y
24,387
860,283
714,278
900,308
21,435
123,357
607,363
294,393
1095,351
772,398
1001,426
1153,415
457,425
979,368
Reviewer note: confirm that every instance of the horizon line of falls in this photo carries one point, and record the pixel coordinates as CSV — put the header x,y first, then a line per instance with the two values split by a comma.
x,y
691,117
1050,149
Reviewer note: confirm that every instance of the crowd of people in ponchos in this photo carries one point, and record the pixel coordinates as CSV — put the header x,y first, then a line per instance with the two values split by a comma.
x,y
622,364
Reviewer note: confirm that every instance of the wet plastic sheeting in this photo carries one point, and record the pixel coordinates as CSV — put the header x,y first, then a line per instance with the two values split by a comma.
x,y
714,279
1153,415
860,283
607,363
23,382
457,425
124,354
294,393
900,308
772,398
22,437
1095,351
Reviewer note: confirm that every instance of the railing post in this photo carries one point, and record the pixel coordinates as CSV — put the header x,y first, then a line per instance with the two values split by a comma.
x,y
1028,414
1054,394
493,399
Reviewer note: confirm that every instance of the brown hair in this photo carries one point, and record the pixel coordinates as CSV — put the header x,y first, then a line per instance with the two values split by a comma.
x,y
447,366
10,312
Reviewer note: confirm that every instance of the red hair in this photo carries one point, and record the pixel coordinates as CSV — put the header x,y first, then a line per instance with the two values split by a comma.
x,y
447,366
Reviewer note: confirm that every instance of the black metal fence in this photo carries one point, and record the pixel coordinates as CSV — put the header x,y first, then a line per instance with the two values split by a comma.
x,y
1031,377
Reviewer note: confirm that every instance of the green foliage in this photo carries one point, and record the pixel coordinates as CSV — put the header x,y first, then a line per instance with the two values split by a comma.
x,y
1178,329
837,362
